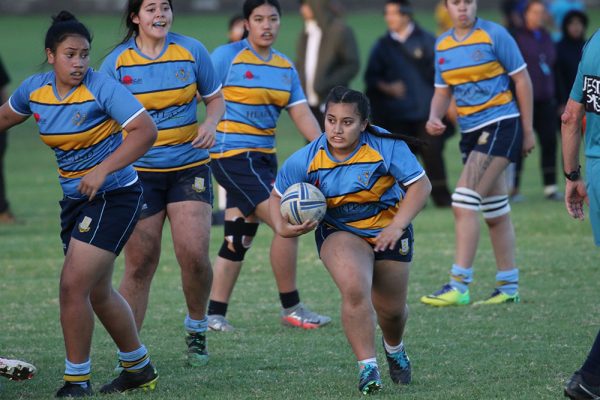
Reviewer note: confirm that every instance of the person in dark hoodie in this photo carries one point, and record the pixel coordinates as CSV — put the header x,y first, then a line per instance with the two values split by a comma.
x,y
327,53
399,85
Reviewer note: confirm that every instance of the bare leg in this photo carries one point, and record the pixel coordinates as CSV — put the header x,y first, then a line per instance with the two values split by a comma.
x,y
390,290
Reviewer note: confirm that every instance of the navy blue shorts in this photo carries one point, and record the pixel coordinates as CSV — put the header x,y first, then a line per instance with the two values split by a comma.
x,y
105,222
248,178
503,139
162,188
403,251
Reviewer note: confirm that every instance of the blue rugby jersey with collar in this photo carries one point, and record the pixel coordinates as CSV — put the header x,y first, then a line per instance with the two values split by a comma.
x,y
83,128
166,86
362,191
477,69
256,90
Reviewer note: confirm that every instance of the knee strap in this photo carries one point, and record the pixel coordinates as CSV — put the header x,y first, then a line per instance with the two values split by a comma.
x,y
466,198
235,233
495,206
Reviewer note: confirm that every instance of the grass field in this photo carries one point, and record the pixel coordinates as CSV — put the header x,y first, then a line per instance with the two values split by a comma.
x,y
522,351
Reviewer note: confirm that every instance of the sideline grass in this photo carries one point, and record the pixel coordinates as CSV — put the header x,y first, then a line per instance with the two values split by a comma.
x,y
519,351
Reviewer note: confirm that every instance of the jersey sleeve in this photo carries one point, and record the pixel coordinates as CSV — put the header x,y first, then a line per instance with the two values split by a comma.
x,y
109,64
404,166
19,101
438,80
507,51
221,61
116,100
207,80
293,171
296,94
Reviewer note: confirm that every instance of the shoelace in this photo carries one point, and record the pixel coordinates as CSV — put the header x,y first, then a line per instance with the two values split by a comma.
x,y
400,358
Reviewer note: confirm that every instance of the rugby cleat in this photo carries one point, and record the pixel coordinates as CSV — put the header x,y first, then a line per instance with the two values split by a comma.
x,y
447,296
369,380
144,379
399,365
197,353
16,370
219,323
70,389
301,316
577,389
499,297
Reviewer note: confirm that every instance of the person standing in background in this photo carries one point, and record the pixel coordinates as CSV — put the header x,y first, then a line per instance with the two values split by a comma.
x,y
399,80
539,53
327,54
6,216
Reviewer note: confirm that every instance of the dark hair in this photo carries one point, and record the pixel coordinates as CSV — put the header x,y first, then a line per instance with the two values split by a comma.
x,y
405,6
64,24
133,8
343,95
574,14
250,5
234,20
531,3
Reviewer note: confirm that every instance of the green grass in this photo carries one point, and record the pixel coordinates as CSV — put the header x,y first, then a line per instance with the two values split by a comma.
x,y
519,351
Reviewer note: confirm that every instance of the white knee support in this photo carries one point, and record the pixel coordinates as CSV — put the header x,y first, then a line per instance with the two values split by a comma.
x,y
495,206
466,198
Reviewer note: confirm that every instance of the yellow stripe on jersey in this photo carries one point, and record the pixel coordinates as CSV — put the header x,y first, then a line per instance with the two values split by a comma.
x,y
45,95
476,73
174,136
82,140
499,100
239,127
179,168
364,196
477,37
174,53
256,96
378,221
235,152
167,98
248,57
74,174
364,155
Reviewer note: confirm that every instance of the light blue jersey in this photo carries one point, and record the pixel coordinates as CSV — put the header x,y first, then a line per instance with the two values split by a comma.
x,y
362,191
477,69
256,90
83,127
166,86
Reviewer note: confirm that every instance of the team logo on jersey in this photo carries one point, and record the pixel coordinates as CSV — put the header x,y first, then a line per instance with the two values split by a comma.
x,y
483,138
78,118
287,79
249,75
364,177
418,53
591,90
198,185
442,61
404,247
38,118
477,55
183,74
130,80
84,226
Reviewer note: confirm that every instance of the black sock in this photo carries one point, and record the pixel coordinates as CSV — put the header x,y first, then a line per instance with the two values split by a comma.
x,y
290,299
216,307
591,367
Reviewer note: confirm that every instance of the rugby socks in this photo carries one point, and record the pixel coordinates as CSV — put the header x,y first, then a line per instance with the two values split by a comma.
x,y
508,281
217,308
460,278
289,299
134,360
78,374
393,349
194,325
591,367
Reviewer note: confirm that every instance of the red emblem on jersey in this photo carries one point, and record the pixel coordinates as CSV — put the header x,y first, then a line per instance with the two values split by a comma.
x,y
36,116
249,75
442,60
127,80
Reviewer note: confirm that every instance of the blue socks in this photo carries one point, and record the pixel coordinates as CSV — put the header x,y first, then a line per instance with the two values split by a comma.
x,y
194,325
78,374
508,281
460,278
134,360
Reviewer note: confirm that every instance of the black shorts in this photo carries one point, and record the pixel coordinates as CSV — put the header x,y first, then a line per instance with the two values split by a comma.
x,y
403,251
105,222
162,188
502,139
248,178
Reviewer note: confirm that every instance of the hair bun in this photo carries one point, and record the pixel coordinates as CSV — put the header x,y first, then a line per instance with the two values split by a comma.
x,y
63,16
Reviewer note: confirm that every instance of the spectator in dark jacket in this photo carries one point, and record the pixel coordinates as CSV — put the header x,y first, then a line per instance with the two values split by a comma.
x,y
539,53
399,80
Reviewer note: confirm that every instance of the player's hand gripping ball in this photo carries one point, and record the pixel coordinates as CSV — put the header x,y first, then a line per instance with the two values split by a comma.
x,y
301,202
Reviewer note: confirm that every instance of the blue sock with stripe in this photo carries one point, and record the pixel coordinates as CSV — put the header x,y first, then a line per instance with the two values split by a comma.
x,y
78,374
460,278
195,325
134,360
508,281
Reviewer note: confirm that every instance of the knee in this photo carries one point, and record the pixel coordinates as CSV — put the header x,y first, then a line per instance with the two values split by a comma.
x,y
392,312
238,239
355,298
71,289
495,209
465,201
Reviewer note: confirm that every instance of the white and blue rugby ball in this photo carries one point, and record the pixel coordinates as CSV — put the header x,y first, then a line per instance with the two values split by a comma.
x,y
301,202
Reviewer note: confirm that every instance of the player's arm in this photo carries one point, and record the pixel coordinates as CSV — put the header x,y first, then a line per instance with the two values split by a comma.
x,y
215,108
413,202
141,134
305,121
524,93
9,118
281,225
575,192
439,107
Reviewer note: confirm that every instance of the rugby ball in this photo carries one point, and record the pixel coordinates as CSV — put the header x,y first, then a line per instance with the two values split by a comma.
x,y
301,202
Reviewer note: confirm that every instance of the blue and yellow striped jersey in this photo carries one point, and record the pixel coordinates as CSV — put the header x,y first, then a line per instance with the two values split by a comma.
x,y
477,69
83,128
362,191
167,87
256,90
